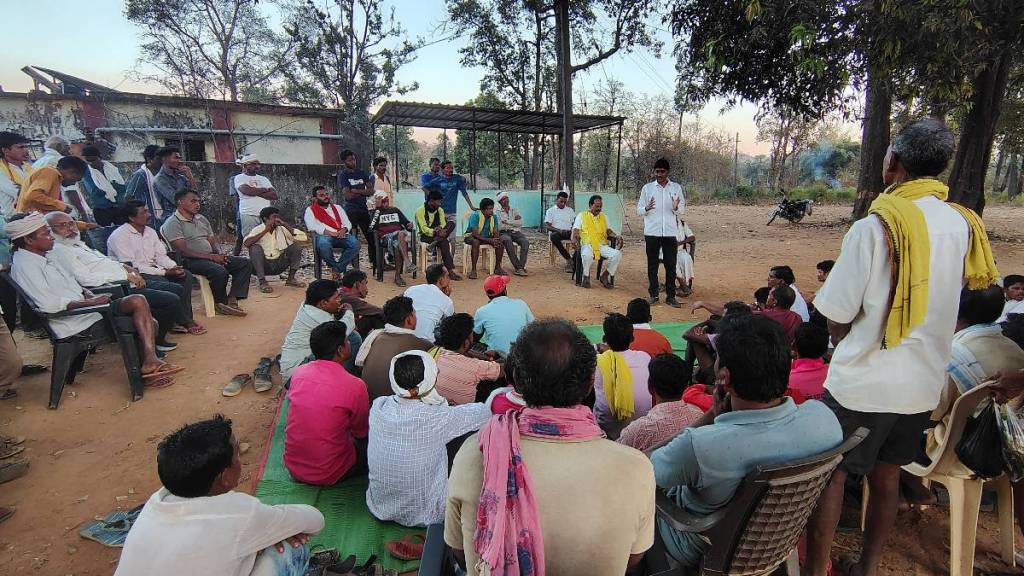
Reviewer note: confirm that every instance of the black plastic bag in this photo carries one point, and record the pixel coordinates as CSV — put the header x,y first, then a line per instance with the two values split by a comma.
x,y
981,446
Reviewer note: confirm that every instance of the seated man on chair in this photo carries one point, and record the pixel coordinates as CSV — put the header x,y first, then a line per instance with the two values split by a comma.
x,y
510,230
191,235
136,244
751,417
435,230
52,290
592,238
333,229
272,249
482,228
92,269
558,220
395,231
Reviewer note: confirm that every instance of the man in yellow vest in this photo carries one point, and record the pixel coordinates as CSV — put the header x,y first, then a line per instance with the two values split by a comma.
x,y
591,237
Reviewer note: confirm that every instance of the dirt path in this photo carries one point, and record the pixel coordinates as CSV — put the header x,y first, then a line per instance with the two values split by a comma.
x,y
96,453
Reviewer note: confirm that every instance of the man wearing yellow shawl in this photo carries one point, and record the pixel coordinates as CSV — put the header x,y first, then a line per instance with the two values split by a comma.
x,y
482,228
592,236
891,301
620,383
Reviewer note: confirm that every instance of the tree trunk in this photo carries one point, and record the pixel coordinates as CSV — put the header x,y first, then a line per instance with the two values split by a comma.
x,y
1013,180
1019,184
967,177
874,141
1000,161
565,90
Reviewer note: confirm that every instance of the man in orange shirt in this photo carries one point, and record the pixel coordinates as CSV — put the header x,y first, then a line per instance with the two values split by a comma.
x,y
645,339
42,189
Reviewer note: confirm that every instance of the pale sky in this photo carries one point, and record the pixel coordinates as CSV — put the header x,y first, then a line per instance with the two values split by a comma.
x,y
95,42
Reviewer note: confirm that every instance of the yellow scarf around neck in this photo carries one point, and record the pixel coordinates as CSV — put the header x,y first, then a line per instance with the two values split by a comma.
x,y
910,250
594,230
618,384
14,175
481,220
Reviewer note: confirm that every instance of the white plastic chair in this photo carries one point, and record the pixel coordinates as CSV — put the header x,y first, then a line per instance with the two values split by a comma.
x,y
964,491
487,259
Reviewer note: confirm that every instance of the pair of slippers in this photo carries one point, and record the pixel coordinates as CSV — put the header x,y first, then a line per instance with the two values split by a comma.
x,y
326,561
260,379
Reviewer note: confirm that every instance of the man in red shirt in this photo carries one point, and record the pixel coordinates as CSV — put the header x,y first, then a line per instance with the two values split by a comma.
x,y
645,339
328,413
780,299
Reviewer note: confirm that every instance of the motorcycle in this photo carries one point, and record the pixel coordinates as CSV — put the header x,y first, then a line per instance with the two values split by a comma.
x,y
792,210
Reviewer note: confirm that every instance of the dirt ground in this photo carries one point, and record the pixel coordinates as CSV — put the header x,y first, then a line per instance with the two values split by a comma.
x,y
96,453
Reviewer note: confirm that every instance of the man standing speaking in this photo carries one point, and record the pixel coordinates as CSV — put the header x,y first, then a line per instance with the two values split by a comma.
x,y
659,202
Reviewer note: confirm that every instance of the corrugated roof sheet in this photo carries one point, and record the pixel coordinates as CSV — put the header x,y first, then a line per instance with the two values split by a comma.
x,y
425,115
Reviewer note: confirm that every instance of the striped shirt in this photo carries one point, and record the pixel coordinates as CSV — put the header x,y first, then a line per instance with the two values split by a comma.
x,y
662,422
458,376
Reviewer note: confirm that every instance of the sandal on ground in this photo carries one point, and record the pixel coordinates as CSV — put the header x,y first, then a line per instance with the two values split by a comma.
x,y
229,310
12,440
162,382
471,275
265,288
6,512
319,555
407,548
196,330
11,469
343,567
8,394
521,272
9,450
234,387
294,283
261,375
454,276
164,369
179,329
30,369
399,281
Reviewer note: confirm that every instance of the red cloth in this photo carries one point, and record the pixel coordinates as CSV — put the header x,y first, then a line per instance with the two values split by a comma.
x,y
328,407
320,214
788,319
696,395
650,341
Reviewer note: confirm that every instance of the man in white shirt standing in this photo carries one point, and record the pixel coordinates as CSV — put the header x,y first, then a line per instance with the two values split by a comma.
x,y
432,301
893,342
197,524
136,244
254,193
510,230
332,227
558,221
658,205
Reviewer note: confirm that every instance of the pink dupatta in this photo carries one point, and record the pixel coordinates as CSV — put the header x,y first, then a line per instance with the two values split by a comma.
x,y
507,538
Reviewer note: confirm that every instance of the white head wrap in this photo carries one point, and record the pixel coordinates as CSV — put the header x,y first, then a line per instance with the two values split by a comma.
x,y
247,159
424,391
25,226
501,195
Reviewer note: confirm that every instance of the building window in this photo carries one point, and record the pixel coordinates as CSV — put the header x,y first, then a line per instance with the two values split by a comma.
x,y
191,150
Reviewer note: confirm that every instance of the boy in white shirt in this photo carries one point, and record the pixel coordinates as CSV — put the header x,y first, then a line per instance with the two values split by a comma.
x,y
197,524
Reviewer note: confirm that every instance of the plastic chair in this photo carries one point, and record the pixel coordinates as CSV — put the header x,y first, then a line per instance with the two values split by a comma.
x,y
577,267
209,304
964,490
318,262
69,353
379,264
758,531
487,258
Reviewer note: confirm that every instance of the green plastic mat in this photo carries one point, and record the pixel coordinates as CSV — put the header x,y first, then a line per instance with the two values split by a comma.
x,y
350,527
671,330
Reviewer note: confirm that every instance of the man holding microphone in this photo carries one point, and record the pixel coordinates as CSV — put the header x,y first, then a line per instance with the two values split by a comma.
x,y
658,205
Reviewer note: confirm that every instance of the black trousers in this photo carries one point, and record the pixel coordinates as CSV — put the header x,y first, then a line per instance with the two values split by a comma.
x,y
557,239
361,221
238,269
667,246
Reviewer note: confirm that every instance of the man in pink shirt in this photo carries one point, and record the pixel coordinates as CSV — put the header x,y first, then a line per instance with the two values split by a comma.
x,y
669,414
460,375
325,436
808,372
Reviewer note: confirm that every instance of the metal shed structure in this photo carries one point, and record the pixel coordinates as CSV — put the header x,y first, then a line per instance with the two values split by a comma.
x,y
474,119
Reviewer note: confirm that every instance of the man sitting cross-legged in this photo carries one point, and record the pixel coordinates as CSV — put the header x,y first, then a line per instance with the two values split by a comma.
x,y
669,413
809,370
645,338
461,371
355,287
482,228
397,336
497,324
432,301
323,304
52,290
91,269
391,226
620,383
750,424
435,230
407,453
700,339
573,488
558,220
593,238
197,524
191,235
325,436
272,249
334,230
138,245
